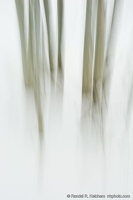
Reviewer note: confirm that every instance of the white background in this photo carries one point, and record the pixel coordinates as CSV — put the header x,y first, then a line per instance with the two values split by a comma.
x,y
73,159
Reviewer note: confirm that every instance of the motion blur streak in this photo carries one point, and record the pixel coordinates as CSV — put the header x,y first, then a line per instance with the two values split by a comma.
x,y
66,82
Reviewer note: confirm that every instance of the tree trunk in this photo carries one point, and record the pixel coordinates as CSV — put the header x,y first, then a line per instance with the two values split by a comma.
x,y
88,53
99,55
60,27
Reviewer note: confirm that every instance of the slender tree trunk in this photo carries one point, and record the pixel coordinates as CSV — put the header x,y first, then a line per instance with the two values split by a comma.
x,y
88,52
60,27
38,66
107,71
20,13
34,57
99,54
50,46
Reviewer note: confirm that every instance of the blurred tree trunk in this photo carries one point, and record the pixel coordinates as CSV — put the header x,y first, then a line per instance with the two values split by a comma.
x,y
31,57
20,13
99,54
60,27
108,58
31,40
88,52
50,46
34,58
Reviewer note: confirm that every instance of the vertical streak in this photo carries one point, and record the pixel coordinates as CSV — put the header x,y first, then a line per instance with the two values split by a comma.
x,y
99,55
60,27
47,14
87,57
20,15
34,58
106,76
